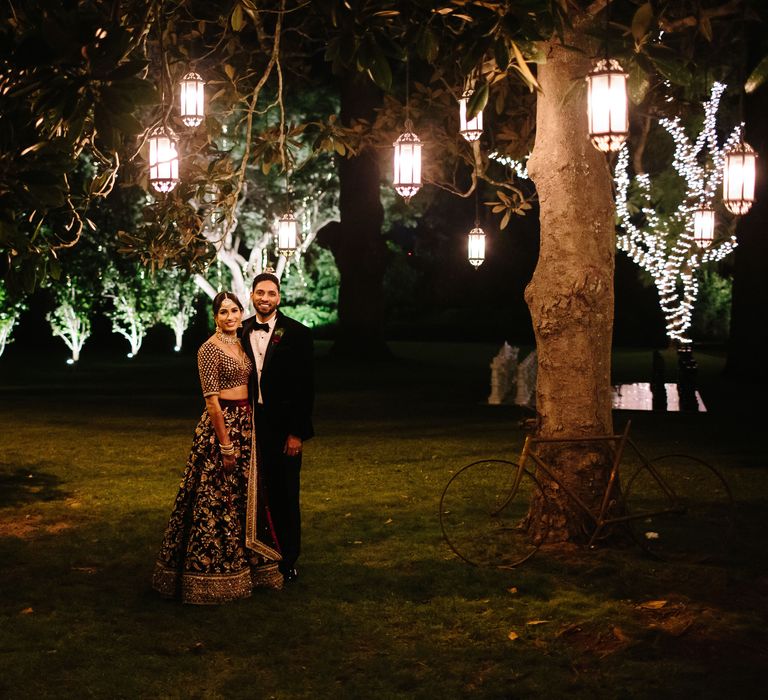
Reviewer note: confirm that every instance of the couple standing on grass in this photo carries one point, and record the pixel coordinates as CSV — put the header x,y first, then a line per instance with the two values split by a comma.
x,y
236,521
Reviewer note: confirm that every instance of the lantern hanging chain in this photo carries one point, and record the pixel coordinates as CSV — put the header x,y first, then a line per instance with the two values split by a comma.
x,y
163,65
282,140
407,94
477,201
281,106
607,31
742,71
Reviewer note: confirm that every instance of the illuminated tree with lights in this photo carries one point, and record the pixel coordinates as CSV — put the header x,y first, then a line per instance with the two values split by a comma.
x,y
175,292
10,311
662,243
246,245
71,319
133,310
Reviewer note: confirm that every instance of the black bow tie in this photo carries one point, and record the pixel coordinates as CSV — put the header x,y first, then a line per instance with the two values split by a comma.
x,y
261,327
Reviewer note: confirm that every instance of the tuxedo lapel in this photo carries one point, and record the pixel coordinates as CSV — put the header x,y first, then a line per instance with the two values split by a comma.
x,y
274,341
245,341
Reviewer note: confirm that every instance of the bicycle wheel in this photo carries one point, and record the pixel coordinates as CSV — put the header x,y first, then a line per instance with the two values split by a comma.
x,y
483,515
686,508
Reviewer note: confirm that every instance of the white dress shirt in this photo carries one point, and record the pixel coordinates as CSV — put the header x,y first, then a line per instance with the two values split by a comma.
x,y
259,343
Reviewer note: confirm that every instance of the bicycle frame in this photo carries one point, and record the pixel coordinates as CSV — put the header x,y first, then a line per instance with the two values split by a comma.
x,y
599,519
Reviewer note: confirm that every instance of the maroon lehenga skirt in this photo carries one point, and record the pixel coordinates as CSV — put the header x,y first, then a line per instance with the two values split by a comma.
x,y
220,543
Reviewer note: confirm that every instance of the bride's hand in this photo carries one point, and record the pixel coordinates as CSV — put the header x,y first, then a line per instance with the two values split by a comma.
x,y
229,462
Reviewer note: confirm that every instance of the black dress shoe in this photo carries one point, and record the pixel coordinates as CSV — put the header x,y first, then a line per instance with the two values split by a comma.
x,y
290,575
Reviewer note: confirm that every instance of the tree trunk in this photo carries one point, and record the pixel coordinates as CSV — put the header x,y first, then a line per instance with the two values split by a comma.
x,y
571,293
749,332
356,241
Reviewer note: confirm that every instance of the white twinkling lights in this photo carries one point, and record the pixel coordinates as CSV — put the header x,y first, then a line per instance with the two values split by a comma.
x,y
664,245
518,166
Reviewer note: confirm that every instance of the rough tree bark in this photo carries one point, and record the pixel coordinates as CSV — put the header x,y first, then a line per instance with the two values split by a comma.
x,y
749,332
356,241
571,293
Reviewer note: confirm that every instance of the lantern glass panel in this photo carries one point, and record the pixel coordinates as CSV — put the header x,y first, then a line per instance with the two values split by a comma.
x,y
163,160
704,227
607,105
192,99
739,179
476,247
471,129
407,164
287,234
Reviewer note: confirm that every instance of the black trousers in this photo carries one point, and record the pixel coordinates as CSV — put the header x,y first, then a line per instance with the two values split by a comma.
x,y
280,475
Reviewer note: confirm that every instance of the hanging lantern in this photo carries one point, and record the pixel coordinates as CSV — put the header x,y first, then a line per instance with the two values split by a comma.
x,y
704,226
287,234
476,247
739,178
472,129
607,105
163,159
407,175
192,98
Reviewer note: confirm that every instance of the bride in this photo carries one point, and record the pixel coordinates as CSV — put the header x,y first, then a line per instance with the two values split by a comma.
x,y
220,543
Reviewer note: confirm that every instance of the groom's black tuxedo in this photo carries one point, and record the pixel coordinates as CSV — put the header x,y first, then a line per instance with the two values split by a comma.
x,y
287,390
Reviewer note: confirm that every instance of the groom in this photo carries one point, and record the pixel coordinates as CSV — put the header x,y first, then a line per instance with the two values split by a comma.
x,y
282,394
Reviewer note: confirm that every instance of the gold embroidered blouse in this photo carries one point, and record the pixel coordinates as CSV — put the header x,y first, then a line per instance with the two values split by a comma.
x,y
220,371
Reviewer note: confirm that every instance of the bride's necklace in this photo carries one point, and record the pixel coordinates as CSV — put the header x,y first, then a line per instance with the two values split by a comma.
x,y
227,339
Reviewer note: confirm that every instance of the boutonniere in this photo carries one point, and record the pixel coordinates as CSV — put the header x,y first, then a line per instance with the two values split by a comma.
x,y
277,336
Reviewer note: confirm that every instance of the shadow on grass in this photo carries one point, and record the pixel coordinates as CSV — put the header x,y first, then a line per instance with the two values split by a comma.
x,y
28,485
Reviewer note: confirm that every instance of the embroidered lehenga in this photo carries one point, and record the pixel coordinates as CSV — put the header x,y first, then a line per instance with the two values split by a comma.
x,y
219,543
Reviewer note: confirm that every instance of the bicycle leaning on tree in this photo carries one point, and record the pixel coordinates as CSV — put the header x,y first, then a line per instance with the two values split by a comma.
x,y
675,506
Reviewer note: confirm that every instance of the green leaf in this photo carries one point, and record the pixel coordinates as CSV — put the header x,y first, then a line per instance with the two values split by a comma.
x,y
55,270
35,147
116,101
705,27
428,45
641,21
477,101
380,73
674,71
471,57
127,69
501,53
142,92
525,71
236,20
757,77
372,57
638,84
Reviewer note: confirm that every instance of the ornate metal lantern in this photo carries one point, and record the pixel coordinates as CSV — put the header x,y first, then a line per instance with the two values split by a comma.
x,y
287,234
192,99
739,178
607,105
704,226
163,159
407,171
476,247
472,129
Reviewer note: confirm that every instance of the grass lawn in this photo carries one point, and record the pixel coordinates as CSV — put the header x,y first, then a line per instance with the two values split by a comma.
x,y
90,460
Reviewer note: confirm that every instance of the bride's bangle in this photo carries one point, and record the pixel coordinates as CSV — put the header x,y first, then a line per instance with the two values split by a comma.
x,y
227,449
